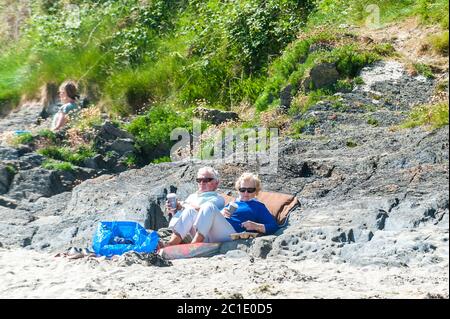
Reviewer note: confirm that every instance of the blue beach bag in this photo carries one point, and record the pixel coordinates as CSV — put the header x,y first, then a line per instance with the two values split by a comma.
x,y
118,237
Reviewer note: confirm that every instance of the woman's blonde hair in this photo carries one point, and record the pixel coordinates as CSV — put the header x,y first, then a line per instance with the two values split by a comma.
x,y
247,177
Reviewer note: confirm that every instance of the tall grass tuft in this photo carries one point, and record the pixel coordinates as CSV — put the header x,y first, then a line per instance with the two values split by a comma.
x,y
432,116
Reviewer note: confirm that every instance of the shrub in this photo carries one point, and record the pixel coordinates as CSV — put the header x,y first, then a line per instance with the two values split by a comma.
x,y
48,134
351,143
152,130
424,70
372,121
439,42
433,12
58,165
24,138
66,154
164,159
433,116
297,128
349,59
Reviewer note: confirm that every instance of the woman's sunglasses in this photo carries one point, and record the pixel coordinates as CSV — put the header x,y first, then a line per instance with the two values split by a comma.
x,y
248,190
206,180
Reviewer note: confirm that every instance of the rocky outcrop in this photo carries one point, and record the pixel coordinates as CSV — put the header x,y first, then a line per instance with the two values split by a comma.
x,y
22,177
321,76
215,116
369,194
6,176
22,118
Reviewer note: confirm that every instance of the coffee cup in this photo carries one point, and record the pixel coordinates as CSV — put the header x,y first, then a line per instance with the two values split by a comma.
x,y
172,199
232,207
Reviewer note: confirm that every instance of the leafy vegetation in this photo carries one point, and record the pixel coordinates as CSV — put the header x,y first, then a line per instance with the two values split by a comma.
x,y
424,70
140,53
299,127
66,154
439,42
153,61
375,13
58,165
152,130
23,139
433,116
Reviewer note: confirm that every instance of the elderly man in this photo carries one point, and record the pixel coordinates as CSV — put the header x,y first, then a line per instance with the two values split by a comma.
x,y
199,215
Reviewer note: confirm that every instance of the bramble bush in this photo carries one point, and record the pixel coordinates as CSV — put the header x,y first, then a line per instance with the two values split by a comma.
x,y
152,131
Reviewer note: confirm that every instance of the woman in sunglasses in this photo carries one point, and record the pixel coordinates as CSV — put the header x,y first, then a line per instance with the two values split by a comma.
x,y
251,214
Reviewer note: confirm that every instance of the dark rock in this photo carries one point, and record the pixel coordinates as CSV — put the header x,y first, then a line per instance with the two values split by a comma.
x,y
262,246
108,131
96,162
241,244
24,149
122,146
286,96
6,177
35,183
29,161
215,116
8,202
384,202
321,76
14,227
8,153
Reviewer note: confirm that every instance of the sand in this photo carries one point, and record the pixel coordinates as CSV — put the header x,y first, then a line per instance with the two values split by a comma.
x,y
31,274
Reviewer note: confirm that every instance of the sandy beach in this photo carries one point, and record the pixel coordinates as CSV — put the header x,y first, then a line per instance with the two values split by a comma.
x,y
30,274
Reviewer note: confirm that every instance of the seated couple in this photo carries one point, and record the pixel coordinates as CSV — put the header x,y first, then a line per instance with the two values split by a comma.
x,y
203,215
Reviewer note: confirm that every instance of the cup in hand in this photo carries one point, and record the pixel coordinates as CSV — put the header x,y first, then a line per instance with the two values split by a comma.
x,y
172,200
232,207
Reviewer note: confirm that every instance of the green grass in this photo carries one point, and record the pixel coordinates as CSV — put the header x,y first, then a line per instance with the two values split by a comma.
x,y
152,130
66,154
25,138
351,143
58,165
439,42
48,134
424,70
11,169
164,159
432,116
298,127
130,160
370,12
372,121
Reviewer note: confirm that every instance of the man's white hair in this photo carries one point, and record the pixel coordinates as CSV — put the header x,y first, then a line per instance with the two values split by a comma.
x,y
210,170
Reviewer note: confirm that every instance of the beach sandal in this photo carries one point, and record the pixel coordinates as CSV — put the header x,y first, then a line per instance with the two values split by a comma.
x,y
74,253
88,253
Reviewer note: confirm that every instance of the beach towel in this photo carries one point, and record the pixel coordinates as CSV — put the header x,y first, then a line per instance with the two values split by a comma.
x,y
280,205
190,250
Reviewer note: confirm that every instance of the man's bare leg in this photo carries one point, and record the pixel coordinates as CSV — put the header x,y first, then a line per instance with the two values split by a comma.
x,y
198,238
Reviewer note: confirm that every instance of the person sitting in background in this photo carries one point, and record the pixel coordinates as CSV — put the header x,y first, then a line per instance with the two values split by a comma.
x,y
251,214
69,97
